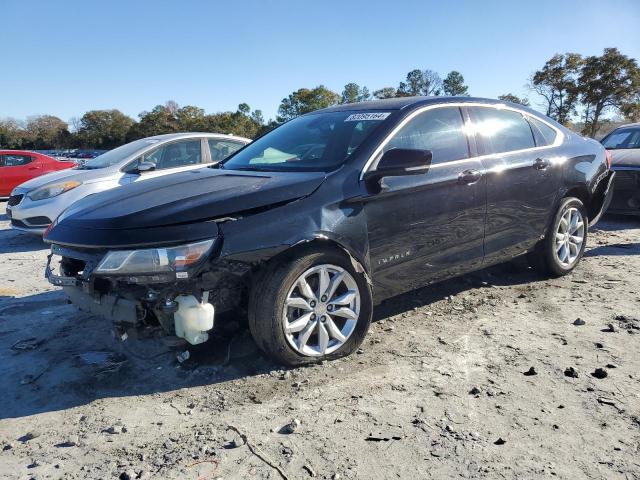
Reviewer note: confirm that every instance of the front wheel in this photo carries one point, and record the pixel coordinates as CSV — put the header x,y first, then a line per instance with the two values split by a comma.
x,y
312,308
563,246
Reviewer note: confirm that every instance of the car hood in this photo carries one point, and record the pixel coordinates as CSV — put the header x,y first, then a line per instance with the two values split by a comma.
x,y
84,176
625,157
176,208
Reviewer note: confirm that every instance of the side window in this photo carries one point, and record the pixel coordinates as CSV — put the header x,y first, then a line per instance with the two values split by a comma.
x,y
176,154
440,130
221,149
16,160
543,133
501,130
1,160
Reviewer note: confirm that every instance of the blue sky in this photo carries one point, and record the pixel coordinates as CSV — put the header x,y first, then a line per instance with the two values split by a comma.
x,y
66,57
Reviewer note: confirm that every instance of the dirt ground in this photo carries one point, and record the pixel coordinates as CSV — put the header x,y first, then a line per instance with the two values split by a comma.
x,y
438,389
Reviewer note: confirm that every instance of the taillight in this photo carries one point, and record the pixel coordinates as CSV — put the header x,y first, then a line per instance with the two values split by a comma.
x,y
607,154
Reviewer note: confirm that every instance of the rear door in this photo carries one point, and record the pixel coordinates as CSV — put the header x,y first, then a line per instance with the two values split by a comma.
x,y
522,178
426,227
219,149
17,169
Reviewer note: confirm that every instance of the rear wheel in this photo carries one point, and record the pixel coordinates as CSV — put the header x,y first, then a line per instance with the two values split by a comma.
x,y
313,308
565,241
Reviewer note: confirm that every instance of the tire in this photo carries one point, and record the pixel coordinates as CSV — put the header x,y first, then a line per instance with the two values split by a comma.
x,y
268,316
548,256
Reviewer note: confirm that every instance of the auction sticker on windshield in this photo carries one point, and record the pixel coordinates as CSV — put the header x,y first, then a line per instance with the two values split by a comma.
x,y
357,117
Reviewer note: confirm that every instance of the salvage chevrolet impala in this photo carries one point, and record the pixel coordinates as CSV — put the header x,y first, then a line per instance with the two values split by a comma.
x,y
309,226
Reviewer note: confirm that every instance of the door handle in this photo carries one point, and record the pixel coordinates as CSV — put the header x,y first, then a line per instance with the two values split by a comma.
x,y
468,177
541,163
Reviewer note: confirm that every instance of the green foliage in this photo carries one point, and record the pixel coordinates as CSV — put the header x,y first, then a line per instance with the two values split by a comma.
x,y
46,131
510,97
353,93
11,134
557,83
306,100
386,92
103,129
608,82
420,82
454,85
568,83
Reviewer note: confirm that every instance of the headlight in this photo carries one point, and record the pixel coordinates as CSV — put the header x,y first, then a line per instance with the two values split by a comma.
x,y
53,190
153,260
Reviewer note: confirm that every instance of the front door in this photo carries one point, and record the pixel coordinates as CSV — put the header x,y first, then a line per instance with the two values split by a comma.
x,y
169,158
426,227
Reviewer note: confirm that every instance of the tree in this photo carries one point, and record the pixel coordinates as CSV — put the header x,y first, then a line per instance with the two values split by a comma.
x,y
510,97
414,84
353,93
631,111
190,118
242,122
557,83
306,100
454,85
607,82
386,92
162,119
431,83
12,134
420,82
46,131
103,129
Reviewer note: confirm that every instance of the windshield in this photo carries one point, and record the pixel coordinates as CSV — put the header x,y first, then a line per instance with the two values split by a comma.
x,y
116,155
319,142
622,138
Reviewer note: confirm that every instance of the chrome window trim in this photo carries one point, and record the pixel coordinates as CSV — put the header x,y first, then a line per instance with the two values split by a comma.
x,y
498,106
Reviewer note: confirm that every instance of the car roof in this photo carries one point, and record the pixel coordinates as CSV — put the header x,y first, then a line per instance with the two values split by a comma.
x,y
175,136
21,152
628,125
401,103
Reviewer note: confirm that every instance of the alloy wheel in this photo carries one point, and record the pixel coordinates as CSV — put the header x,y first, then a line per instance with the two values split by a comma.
x,y
321,310
569,236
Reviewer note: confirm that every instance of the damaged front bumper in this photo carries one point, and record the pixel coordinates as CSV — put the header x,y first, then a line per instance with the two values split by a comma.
x,y
182,305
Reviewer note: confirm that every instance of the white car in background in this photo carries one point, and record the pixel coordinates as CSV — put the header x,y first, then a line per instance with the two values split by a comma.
x,y
35,204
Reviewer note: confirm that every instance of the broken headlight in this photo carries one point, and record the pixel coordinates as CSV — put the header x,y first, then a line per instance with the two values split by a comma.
x,y
153,260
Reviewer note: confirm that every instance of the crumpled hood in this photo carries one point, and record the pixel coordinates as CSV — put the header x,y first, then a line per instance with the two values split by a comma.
x,y
181,202
625,157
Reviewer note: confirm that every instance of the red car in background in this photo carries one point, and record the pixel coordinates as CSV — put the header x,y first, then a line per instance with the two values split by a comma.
x,y
18,166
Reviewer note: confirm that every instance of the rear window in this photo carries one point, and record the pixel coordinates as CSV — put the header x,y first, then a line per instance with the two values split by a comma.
x,y
501,130
9,160
543,133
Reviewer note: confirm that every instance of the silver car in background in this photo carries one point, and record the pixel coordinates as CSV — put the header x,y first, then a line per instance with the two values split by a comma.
x,y
33,205
623,143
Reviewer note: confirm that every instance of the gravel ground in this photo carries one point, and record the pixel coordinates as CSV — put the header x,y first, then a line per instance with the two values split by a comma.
x,y
438,390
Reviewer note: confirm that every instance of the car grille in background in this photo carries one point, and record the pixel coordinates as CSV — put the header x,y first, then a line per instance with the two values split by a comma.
x,y
32,222
38,221
14,200
18,223
626,192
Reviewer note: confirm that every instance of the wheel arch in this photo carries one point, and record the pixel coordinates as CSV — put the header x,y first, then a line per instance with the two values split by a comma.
x,y
322,241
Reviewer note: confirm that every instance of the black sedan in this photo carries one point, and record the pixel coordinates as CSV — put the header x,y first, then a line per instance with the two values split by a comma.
x,y
624,145
309,226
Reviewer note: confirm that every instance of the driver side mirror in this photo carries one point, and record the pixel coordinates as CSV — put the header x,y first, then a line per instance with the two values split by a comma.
x,y
145,167
399,162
